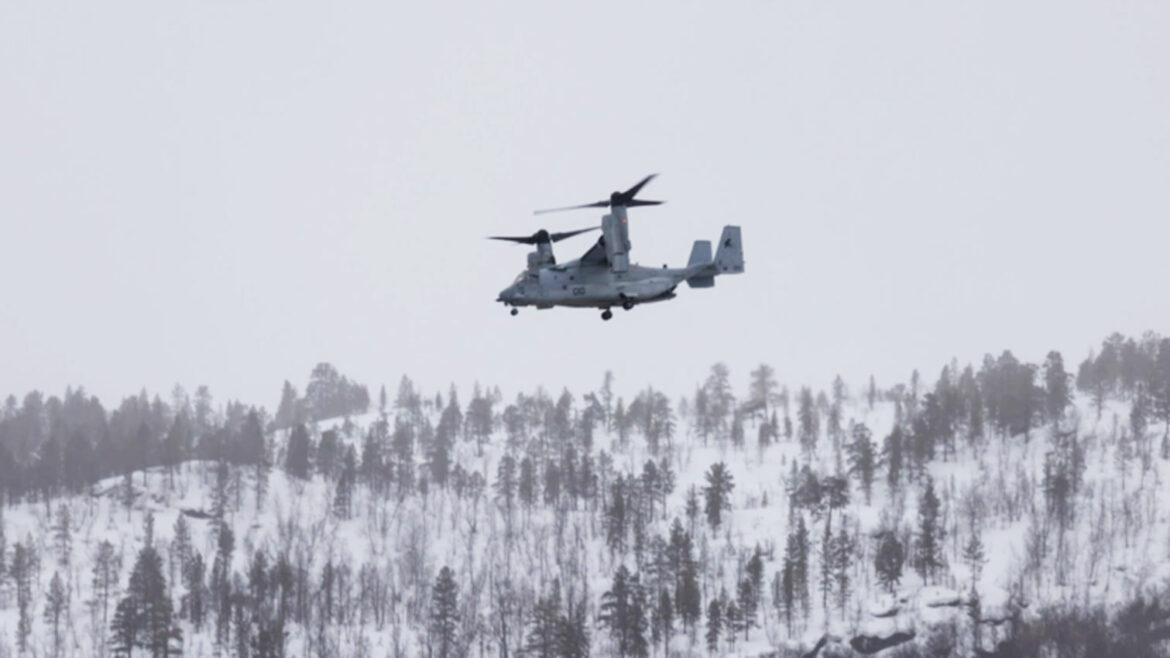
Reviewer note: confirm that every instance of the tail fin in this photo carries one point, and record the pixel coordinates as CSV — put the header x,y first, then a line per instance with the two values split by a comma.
x,y
700,262
700,253
729,257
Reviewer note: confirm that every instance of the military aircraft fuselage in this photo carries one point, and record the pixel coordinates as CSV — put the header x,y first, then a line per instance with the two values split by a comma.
x,y
588,286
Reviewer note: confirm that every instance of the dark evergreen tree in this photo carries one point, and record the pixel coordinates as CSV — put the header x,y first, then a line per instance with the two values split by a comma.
x,y
21,572
56,611
343,497
251,448
220,585
763,391
809,422
863,458
287,412
444,619
974,556
106,567
505,485
329,454
719,400
125,628
894,454
574,632
615,518
928,554
544,627
299,447
1057,395
663,626
143,618
842,560
194,574
623,611
717,493
63,536
552,483
888,561
714,624
527,487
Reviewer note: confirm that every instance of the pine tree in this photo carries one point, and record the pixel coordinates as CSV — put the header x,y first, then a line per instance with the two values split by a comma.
x,y
623,611
688,598
842,560
663,627
800,565
56,608
826,582
343,498
809,422
544,629
754,576
286,412
194,573
527,486
106,567
717,493
888,561
973,555
444,618
574,632
63,537
505,485
615,518
928,557
762,391
863,458
732,620
124,629
21,572
328,454
1057,394
746,619
975,614
148,591
894,452
297,459
714,624
220,584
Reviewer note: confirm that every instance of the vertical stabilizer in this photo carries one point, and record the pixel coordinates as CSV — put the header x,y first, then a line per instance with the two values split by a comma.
x,y
729,257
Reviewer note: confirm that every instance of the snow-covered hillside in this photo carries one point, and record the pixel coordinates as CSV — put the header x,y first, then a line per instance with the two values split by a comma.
x,y
536,512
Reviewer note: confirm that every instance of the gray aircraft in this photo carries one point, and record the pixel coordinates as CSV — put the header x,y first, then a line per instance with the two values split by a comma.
x,y
603,277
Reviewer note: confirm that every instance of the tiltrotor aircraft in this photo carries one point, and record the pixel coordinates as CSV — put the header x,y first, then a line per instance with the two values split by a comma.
x,y
603,277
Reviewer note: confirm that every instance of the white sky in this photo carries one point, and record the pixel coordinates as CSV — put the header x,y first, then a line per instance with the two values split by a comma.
x,y
229,192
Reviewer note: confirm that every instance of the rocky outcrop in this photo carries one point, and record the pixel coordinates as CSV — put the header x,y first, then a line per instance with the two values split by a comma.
x,y
869,644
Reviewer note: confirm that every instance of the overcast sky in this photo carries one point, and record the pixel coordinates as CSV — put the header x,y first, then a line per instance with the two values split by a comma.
x,y
226,193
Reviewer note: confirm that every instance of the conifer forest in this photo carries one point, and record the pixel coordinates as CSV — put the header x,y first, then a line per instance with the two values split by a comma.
x,y
1001,508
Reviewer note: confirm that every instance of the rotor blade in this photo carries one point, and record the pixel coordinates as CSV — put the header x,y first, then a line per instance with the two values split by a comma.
x,y
522,240
557,237
598,204
633,191
639,202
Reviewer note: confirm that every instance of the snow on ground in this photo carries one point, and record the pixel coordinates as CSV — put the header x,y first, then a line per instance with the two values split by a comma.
x,y
1115,547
